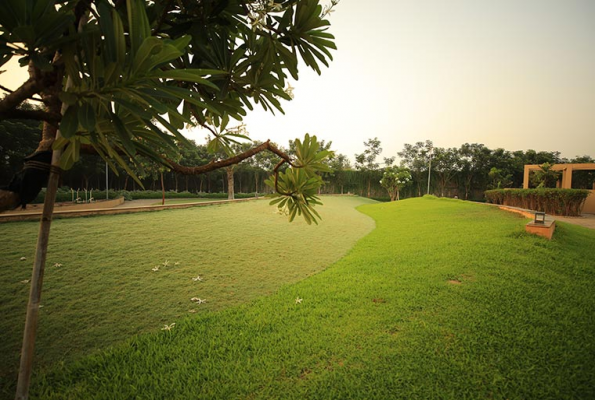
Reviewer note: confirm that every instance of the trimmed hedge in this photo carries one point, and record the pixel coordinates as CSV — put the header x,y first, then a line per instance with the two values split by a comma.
x,y
567,202
65,195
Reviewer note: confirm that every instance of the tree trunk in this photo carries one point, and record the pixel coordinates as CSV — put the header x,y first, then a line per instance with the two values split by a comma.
x,y
369,187
230,193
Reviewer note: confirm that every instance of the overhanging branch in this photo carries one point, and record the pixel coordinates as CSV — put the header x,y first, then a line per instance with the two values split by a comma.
x,y
14,99
214,165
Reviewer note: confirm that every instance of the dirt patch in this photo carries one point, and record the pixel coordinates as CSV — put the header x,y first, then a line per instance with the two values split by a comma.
x,y
454,282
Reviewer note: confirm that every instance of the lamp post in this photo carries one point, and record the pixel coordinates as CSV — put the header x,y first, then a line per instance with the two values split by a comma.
x,y
430,167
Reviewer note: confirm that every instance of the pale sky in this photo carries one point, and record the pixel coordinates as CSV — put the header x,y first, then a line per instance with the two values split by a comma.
x,y
516,74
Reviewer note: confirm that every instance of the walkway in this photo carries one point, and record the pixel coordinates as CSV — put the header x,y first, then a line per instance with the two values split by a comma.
x,y
34,213
586,220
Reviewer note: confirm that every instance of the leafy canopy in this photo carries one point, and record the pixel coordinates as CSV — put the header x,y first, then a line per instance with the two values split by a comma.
x,y
123,70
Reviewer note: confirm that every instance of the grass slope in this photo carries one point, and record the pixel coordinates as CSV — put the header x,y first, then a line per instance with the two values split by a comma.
x,y
444,299
105,290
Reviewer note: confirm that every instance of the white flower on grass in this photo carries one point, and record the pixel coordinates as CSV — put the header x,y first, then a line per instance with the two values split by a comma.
x,y
155,268
166,263
23,258
298,300
197,279
26,281
198,300
176,263
192,311
168,327
57,265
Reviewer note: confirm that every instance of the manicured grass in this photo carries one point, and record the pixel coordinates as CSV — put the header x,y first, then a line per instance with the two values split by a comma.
x,y
184,201
105,290
444,299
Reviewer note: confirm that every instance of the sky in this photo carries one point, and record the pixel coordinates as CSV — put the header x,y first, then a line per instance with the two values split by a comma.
x,y
512,74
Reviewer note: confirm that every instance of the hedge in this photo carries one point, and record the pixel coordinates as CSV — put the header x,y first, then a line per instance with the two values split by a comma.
x,y
66,195
567,202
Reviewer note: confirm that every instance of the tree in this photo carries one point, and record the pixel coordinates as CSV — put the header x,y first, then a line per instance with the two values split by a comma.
x,y
339,165
17,138
499,179
110,73
416,158
394,179
446,164
545,177
473,161
366,161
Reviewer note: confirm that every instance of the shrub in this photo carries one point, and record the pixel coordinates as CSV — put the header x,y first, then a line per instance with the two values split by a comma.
x,y
568,202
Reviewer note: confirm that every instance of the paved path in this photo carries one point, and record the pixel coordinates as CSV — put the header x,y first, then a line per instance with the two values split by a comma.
x,y
586,220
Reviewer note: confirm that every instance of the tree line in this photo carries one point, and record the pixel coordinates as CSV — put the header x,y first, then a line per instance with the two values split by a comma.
x,y
465,172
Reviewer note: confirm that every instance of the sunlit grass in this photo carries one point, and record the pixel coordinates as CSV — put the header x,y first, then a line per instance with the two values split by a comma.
x,y
185,201
112,282
444,299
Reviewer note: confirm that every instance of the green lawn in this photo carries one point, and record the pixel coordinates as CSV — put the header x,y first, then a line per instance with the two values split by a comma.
x,y
444,299
106,291
185,201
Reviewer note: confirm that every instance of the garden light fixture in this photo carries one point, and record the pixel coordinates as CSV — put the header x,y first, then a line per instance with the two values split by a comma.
x,y
539,217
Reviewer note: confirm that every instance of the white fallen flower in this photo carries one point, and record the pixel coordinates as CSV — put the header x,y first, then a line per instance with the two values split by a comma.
x,y
168,327
23,258
197,279
26,281
198,300
298,300
57,265
155,268
176,263
166,263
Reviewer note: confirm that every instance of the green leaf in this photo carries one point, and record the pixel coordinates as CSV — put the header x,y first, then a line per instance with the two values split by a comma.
x,y
69,123
86,115
138,24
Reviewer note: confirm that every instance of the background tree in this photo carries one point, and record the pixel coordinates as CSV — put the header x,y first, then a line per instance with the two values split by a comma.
x,y
340,164
446,165
366,161
499,179
18,138
415,158
473,162
394,179
545,177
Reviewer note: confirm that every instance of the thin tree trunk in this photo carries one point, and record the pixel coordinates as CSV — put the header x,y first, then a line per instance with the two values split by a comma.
x,y
230,192
32,318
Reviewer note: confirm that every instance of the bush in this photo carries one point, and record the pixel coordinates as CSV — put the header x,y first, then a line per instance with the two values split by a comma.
x,y
66,195
568,202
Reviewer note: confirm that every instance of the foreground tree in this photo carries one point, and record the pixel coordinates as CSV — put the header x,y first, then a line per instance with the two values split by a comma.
x,y
110,73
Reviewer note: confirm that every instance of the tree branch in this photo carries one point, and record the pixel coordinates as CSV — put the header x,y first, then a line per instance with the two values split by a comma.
x,y
14,99
213,165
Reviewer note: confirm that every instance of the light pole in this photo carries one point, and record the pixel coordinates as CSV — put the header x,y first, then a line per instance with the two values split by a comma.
x,y
429,167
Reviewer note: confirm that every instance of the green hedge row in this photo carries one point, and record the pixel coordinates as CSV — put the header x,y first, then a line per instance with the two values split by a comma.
x,y
66,195
568,202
